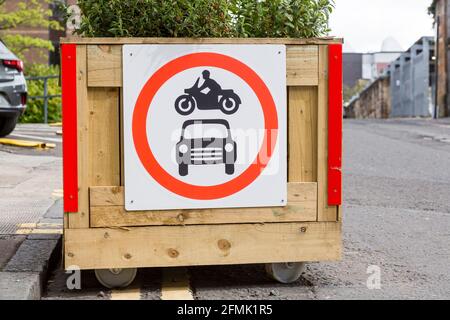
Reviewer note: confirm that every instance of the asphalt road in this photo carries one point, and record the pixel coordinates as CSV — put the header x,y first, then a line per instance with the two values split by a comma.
x,y
396,221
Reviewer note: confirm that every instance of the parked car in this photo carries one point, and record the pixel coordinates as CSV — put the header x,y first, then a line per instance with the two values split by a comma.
x,y
13,90
209,143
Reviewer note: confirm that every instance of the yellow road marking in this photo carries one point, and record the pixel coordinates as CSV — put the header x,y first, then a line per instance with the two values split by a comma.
x,y
39,231
24,231
175,285
47,231
27,225
26,143
126,294
55,124
40,225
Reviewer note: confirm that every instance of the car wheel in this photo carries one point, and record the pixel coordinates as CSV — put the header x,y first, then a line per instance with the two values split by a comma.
x,y
7,125
229,169
183,169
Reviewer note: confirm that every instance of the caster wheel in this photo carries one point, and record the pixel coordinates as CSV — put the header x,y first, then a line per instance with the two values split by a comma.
x,y
285,272
115,278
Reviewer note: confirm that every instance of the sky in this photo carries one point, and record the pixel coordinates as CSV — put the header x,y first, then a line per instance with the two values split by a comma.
x,y
364,24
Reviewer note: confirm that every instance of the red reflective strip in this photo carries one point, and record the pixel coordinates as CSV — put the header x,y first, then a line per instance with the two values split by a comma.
x,y
69,119
335,125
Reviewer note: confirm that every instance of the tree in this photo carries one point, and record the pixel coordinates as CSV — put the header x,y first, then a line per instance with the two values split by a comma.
x,y
28,13
350,92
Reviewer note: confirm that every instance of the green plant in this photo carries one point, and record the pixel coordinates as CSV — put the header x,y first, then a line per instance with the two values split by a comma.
x,y
35,107
282,18
350,92
27,13
204,18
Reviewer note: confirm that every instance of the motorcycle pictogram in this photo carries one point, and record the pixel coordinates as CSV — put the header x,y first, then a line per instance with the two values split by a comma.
x,y
208,96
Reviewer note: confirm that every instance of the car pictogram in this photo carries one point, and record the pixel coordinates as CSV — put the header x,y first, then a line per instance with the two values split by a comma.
x,y
206,142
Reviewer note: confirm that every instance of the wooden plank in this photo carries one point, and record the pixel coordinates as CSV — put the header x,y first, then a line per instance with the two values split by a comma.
x,y
136,40
100,248
66,220
107,210
302,148
104,137
175,284
302,65
81,218
104,65
325,213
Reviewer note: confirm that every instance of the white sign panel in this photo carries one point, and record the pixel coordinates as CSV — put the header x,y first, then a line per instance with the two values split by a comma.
x,y
204,126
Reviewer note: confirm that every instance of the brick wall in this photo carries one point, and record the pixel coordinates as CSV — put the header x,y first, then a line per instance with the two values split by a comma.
x,y
43,33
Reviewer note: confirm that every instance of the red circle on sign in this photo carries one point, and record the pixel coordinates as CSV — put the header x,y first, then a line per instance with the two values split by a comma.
x,y
143,104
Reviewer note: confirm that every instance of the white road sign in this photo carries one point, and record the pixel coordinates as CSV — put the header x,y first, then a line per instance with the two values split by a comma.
x,y
204,126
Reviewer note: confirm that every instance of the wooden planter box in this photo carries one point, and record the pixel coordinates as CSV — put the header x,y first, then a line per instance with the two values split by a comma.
x,y
99,233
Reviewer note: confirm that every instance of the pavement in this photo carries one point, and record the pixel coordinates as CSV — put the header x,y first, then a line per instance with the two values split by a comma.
x,y
30,212
396,234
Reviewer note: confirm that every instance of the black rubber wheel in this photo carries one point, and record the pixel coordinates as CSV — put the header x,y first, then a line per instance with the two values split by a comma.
x,y
229,169
285,272
115,278
7,125
229,104
185,105
183,169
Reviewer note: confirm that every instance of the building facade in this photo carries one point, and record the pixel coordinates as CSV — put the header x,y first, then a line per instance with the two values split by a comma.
x,y
373,103
407,87
369,66
43,33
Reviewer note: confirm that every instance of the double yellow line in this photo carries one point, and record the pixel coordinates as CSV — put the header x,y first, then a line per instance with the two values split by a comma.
x,y
39,228
175,286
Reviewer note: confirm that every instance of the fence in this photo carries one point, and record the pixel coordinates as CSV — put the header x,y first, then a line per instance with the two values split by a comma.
x,y
45,96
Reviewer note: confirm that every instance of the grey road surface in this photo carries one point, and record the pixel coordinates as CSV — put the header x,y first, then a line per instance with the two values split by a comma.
x,y
396,224
28,179
35,132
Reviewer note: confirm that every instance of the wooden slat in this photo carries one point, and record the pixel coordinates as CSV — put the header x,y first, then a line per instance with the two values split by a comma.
x,y
107,210
291,41
325,213
66,220
302,65
104,137
302,134
81,218
101,248
104,65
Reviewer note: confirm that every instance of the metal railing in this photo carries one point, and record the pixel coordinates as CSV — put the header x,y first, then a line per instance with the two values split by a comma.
x,y
46,97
